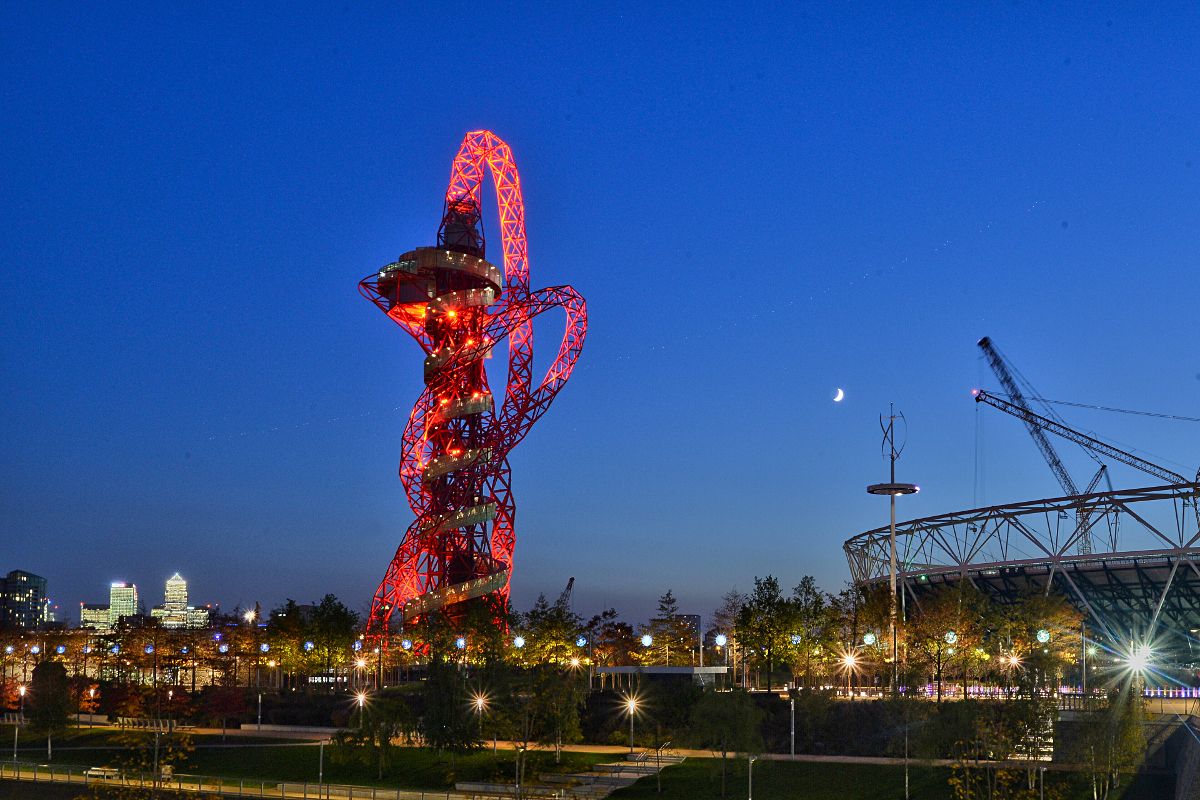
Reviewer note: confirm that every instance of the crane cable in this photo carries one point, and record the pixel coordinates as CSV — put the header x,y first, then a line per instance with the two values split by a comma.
x,y
1178,417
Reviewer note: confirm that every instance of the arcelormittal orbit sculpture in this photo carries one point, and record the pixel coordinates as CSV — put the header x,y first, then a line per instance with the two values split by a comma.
x,y
454,455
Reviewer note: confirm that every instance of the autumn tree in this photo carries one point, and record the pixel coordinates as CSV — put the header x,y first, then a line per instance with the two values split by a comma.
x,y
49,701
611,641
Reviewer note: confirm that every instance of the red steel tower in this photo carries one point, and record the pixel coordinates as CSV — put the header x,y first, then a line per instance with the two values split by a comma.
x,y
454,454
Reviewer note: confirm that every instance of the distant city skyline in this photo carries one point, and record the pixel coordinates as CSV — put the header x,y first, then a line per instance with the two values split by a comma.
x,y
761,206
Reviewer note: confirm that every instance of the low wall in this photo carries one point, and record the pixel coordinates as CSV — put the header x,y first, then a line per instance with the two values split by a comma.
x,y
288,728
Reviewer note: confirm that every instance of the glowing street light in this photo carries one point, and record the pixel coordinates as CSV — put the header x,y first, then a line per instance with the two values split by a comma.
x,y
1043,636
721,640
869,638
631,706
647,640
249,616
480,702
1139,658
518,642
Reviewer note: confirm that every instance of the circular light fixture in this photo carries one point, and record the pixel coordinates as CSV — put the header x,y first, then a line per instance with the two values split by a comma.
x,y
460,642
720,640
406,644
518,642
869,638
224,648
581,641
647,640
1043,635
951,637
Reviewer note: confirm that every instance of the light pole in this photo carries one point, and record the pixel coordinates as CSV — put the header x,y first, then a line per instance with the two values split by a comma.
x,y
260,712
361,699
892,490
792,701
480,701
750,778
630,708
321,767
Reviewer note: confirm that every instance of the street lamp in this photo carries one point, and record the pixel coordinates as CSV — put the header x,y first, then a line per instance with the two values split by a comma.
x,y
480,702
750,778
849,664
361,699
631,705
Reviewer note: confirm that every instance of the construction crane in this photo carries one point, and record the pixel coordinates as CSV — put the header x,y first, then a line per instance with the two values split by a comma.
x,y
1018,401
564,599
1040,423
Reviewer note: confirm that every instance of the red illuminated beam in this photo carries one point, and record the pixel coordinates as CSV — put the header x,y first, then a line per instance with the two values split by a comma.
x,y
454,451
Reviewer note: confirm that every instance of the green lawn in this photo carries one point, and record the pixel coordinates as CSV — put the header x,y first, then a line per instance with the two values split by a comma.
x,y
411,768
700,779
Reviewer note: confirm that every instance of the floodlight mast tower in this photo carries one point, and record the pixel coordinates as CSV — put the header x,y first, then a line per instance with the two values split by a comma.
x,y
892,490
454,452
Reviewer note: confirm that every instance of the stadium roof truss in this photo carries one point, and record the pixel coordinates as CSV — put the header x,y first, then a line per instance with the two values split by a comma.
x,y
1141,583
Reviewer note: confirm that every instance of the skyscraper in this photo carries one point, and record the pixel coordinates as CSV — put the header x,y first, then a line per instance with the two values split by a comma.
x,y
176,596
122,602
23,602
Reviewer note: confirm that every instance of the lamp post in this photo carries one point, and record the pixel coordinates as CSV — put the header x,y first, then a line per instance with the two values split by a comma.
x,y
750,778
480,704
792,702
892,490
631,709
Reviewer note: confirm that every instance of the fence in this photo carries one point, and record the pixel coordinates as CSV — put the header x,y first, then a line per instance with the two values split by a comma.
x,y
197,784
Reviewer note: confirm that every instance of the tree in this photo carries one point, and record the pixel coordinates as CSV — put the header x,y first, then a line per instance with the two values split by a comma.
x,y
552,631
727,722
673,637
385,718
813,638
557,698
1018,627
221,703
448,722
1113,742
612,641
764,623
332,631
724,621
948,633
49,702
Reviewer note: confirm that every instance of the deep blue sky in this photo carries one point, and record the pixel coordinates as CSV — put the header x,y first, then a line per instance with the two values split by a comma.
x,y
758,205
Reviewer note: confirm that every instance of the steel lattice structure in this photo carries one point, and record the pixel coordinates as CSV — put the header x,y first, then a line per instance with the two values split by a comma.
x,y
1142,581
454,453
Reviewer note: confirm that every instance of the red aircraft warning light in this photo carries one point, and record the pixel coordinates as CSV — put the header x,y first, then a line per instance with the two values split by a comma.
x,y
454,452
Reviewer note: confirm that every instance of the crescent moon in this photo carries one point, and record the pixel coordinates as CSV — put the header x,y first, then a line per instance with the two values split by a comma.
x,y
840,396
